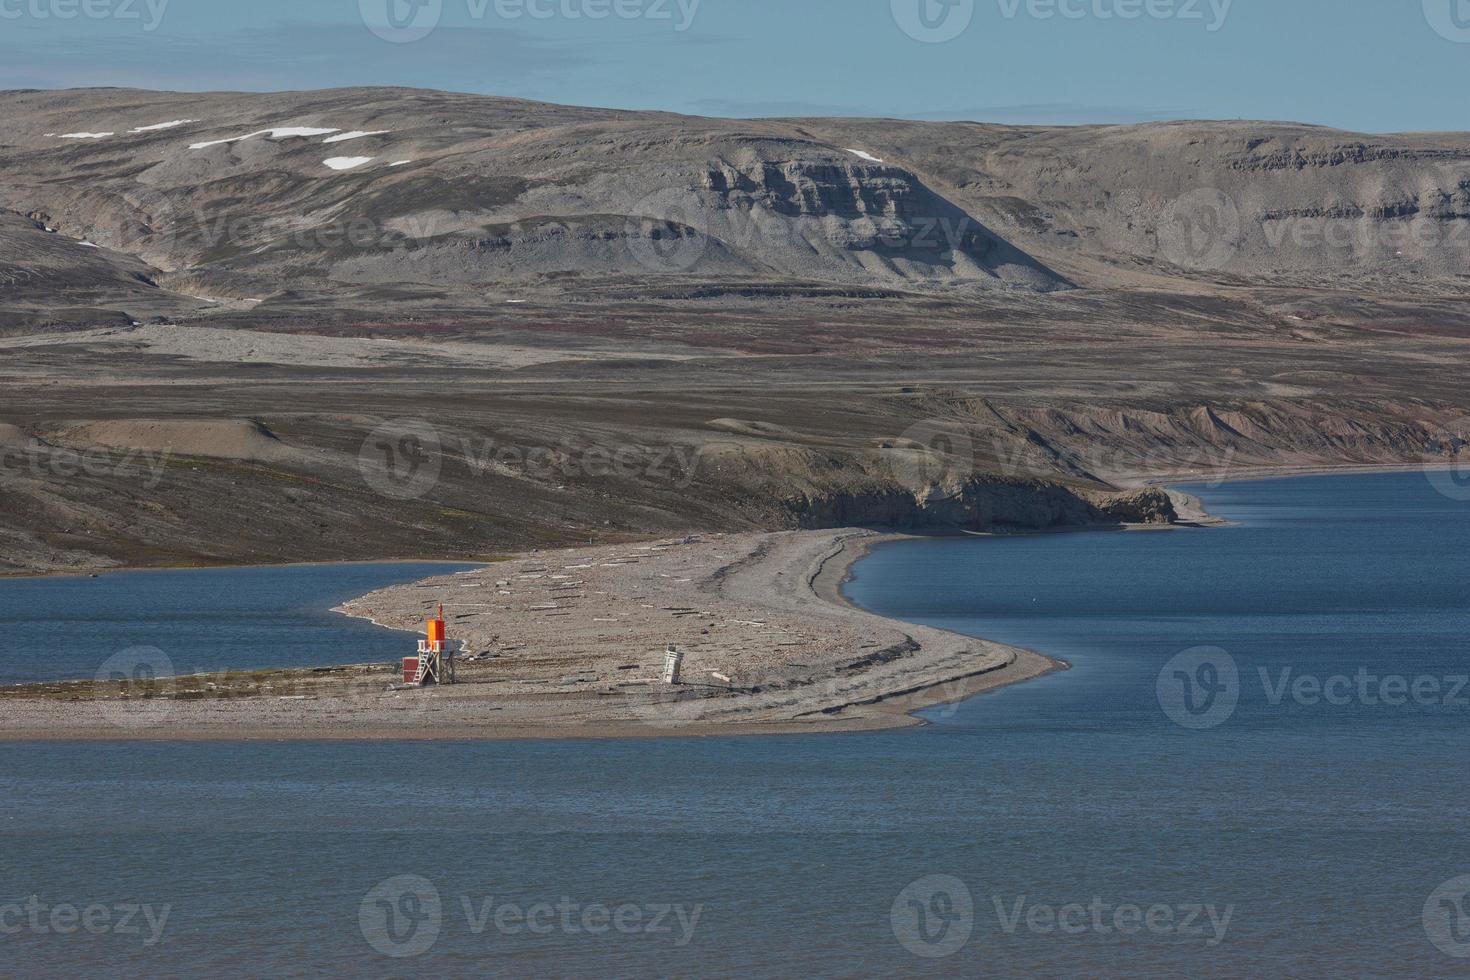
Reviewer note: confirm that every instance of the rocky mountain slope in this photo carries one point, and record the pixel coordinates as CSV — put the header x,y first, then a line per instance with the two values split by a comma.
x,y
368,196
238,196
229,322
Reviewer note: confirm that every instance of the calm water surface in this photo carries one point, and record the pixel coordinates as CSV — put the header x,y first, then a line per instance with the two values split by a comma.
x,y
198,619
1322,830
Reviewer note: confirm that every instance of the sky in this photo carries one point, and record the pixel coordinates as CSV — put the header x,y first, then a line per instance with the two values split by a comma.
x,y
1365,65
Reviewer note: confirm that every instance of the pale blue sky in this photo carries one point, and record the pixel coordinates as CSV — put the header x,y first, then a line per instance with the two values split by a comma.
x,y
1373,65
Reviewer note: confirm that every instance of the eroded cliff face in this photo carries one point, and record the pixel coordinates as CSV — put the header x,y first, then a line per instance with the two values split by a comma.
x,y
1288,203
869,220
1124,443
805,188
982,504
976,464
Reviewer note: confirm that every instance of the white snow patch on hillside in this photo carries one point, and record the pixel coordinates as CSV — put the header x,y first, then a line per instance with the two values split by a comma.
x,y
355,134
279,133
89,244
84,136
864,155
157,126
400,163
346,163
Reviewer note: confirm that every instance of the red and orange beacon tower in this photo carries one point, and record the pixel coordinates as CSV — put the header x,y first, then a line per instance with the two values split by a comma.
x,y
435,662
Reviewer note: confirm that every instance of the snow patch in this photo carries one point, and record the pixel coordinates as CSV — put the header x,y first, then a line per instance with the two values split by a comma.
x,y
864,155
85,136
157,126
346,163
89,244
355,134
279,133
400,163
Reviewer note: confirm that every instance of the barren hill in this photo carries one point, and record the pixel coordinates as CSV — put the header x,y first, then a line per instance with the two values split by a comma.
x,y
227,320
364,197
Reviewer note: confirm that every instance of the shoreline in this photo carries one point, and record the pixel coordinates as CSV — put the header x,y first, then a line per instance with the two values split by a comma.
x,y
916,667
99,572
1257,474
848,671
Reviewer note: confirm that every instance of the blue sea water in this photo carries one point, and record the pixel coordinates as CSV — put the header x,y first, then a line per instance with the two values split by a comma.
x,y
1143,814
196,620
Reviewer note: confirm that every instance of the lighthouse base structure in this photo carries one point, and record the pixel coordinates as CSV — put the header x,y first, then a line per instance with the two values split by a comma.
x,y
434,665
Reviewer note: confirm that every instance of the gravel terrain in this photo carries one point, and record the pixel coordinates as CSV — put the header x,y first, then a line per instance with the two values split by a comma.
x,y
571,644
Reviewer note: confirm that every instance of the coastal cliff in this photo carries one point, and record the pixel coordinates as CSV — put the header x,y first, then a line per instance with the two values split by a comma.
x,y
983,504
